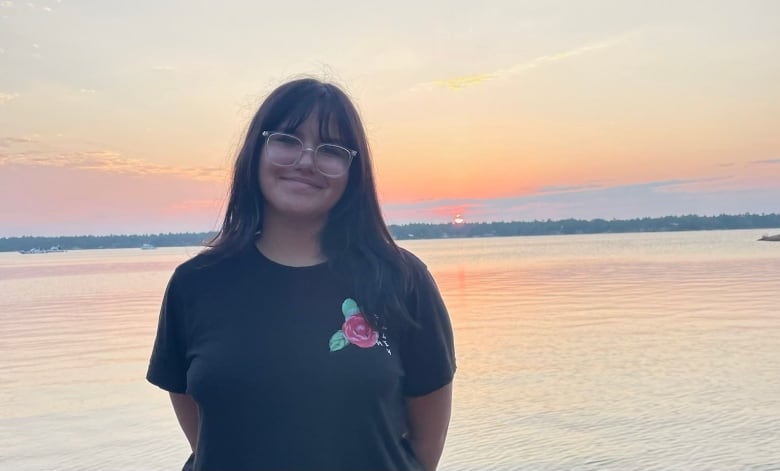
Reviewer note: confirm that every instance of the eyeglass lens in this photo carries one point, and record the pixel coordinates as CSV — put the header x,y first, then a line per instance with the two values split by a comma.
x,y
285,150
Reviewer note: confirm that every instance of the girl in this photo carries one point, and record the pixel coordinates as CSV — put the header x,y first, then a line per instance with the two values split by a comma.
x,y
303,337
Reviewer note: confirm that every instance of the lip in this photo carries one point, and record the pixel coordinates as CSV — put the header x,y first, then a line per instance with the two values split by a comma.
x,y
306,181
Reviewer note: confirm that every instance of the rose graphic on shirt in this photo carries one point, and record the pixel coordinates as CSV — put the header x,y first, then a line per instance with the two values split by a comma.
x,y
359,332
355,330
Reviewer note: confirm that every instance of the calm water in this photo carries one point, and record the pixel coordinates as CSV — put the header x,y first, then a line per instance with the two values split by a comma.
x,y
619,352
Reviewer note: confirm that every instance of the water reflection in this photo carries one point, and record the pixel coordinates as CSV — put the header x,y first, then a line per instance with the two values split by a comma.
x,y
649,351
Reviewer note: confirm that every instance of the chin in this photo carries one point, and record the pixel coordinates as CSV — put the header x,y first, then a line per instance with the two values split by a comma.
x,y
300,210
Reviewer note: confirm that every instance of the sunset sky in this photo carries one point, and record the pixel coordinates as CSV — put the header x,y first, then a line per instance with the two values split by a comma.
x,y
124,117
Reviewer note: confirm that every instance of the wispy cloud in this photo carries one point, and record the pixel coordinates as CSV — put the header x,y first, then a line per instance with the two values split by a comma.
x,y
14,140
6,97
707,195
766,162
655,186
6,4
105,161
568,188
692,185
458,83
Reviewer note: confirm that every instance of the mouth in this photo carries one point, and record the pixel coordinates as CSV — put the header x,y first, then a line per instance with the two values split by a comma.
x,y
303,181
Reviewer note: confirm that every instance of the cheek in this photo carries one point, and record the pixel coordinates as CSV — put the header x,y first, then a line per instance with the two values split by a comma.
x,y
341,187
265,176
338,189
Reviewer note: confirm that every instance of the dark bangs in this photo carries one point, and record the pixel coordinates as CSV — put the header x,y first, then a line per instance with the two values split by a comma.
x,y
293,108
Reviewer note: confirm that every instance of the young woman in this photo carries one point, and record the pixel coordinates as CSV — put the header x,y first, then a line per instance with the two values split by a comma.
x,y
304,338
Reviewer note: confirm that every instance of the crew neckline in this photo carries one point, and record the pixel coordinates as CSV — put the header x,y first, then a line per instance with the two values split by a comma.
x,y
268,261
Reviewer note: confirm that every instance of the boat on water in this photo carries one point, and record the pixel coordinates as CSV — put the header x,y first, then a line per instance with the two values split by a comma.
x,y
770,238
52,249
148,247
33,250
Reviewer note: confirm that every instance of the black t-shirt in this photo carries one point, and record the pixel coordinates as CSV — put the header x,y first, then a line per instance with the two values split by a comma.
x,y
285,370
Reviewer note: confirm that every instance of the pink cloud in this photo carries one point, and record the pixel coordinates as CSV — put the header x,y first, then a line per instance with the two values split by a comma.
x,y
48,199
438,212
103,161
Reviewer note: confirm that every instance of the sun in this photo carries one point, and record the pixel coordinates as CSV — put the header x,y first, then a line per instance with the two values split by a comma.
x,y
458,221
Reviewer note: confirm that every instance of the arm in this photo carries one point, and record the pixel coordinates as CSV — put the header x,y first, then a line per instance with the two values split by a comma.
x,y
429,418
188,415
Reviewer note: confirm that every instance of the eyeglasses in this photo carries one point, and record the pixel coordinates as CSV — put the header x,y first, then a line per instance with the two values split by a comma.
x,y
286,150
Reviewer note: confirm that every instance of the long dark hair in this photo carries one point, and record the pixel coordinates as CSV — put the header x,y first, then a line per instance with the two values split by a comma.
x,y
355,238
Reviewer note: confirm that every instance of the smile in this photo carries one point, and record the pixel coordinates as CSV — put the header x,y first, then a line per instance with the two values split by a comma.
x,y
302,181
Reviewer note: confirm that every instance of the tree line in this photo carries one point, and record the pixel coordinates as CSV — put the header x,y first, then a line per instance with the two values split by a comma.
x,y
428,231
593,226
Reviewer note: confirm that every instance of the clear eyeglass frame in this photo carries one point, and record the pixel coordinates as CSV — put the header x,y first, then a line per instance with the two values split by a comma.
x,y
315,152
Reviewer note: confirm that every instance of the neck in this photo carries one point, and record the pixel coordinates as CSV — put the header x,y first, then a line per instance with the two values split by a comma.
x,y
290,241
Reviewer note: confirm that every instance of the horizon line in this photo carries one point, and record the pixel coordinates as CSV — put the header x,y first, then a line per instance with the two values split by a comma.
x,y
465,223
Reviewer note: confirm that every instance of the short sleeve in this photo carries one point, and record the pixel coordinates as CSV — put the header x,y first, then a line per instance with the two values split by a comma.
x,y
428,352
167,365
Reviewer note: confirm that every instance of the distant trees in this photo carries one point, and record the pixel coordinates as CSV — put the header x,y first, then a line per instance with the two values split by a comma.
x,y
105,242
430,231
594,226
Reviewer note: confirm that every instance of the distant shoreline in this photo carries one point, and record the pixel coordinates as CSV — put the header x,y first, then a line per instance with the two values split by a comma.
x,y
416,231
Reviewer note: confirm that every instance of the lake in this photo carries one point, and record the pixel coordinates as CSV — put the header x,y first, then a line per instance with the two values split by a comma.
x,y
590,352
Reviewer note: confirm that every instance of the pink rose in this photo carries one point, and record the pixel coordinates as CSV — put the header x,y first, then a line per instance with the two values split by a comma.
x,y
359,332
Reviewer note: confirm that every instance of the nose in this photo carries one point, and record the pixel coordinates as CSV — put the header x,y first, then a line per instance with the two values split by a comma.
x,y
307,158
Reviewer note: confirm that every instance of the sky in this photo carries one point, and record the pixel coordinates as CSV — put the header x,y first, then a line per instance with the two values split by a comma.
x,y
125,117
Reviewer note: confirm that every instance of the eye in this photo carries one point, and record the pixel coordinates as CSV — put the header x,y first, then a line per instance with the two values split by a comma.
x,y
287,139
333,152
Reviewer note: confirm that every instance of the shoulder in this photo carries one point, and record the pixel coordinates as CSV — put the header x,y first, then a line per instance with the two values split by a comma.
x,y
420,281
205,268
413,265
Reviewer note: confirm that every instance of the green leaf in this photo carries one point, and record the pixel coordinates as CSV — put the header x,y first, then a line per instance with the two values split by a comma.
x,y
349,307
338,341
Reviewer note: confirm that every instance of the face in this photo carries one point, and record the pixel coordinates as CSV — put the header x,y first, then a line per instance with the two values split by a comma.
x,y
300,190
